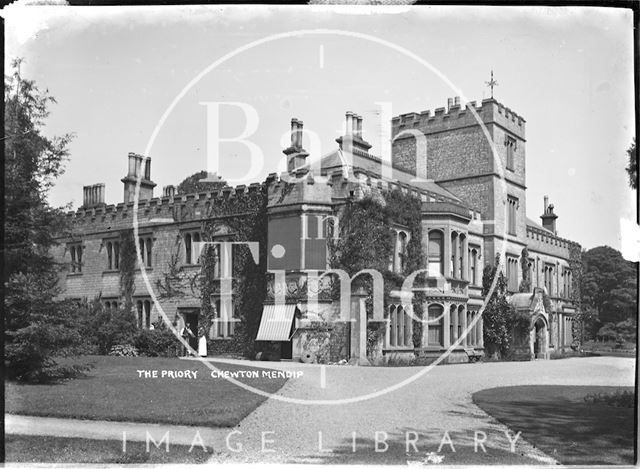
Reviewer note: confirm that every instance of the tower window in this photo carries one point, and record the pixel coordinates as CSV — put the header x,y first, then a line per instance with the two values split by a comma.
x,y
512,210
510,144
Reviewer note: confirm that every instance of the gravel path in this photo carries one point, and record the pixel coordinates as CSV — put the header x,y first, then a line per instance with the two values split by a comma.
x,y
438,402
435,407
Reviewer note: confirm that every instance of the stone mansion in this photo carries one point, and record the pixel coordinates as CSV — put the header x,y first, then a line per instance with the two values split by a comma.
x,y
473,207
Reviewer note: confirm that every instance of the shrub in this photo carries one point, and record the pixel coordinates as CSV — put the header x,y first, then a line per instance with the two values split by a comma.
x,y
123,350
156,343
111,327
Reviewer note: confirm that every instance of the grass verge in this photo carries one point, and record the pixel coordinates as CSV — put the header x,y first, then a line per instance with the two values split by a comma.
x,y
51,449
114,391
559,421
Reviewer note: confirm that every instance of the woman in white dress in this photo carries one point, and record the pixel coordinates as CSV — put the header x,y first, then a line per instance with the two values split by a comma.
x,y
202,343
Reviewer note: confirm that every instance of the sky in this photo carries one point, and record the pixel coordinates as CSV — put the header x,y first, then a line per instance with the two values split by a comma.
x,y
138,79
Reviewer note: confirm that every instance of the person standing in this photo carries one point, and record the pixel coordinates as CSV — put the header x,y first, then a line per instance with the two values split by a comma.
x,y
186,334
202,342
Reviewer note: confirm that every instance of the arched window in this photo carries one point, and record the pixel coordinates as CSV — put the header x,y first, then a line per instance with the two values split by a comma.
x,y
461,242
452,324
147,313
109,256
435,321
435,253
453,266
473,266
461,320
400,330
402,251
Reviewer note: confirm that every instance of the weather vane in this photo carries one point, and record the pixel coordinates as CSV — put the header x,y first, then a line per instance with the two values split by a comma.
x,y
491,83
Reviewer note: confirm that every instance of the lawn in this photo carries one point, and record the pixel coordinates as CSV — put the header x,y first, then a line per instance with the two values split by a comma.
x,y
114,391
557,420
55,450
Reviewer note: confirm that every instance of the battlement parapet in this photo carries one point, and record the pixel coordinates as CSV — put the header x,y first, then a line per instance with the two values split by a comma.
x,y
172,206
542,237
456,116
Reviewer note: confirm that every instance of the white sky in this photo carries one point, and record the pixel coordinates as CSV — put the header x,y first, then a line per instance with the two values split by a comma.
x,y
114,72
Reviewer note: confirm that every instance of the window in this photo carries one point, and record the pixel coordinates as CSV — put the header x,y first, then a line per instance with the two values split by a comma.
x,y
461,242
400,331
435,253
223,326
512,274
191,255
113,255
566,282
143,308
461,322
510,144
76,257
454,254
512,210
111,304
473,264
402,251
548,278
435,319
452,324
146,243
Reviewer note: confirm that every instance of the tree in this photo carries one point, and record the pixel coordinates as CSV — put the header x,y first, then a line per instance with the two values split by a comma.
x,y
609,286
36,326
632,168
201,181
498,318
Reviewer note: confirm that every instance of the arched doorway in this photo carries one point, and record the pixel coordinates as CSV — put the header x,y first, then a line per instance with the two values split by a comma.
x,y
540,338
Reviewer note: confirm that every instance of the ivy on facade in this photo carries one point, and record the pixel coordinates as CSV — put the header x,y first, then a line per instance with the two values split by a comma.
x,y
246,217
128,260
367,241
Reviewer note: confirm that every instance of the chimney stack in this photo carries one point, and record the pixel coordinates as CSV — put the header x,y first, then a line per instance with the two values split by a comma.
x,y
456,101
169,191
358,131
297,155
449,103
135,171
548,217
93,196
349,123
352,140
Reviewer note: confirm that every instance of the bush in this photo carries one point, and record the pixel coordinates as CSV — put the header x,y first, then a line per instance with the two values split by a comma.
x,y
123,350
156,343
110,327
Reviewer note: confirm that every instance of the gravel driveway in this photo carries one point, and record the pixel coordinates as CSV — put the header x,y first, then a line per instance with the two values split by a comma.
x,y
435,408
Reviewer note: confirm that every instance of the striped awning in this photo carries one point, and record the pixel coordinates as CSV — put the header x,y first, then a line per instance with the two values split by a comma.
x,y
276,322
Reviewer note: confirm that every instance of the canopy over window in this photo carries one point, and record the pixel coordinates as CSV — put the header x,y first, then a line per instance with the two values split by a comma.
x,y
276,322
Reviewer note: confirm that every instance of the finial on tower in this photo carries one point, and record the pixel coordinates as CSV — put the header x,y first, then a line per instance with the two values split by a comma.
x,y
491,83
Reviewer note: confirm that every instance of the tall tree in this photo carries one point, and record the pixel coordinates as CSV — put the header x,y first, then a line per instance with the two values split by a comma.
x,y
35,329
609,285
